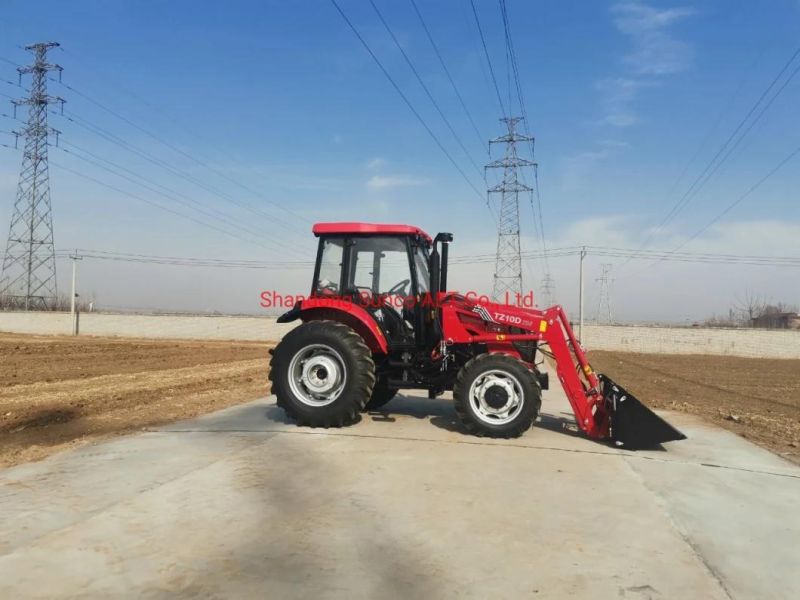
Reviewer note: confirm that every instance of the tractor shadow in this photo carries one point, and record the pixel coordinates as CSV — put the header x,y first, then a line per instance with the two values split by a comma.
x,y
275,414
441,414
562,422
416,407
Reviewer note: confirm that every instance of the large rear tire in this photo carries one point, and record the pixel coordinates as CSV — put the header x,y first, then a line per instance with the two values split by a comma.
x,y
497,396
322,374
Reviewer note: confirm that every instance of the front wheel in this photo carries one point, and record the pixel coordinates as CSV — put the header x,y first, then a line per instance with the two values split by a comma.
x,y
322,374
496,395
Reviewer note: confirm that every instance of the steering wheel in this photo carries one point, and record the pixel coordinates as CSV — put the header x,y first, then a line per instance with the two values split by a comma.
x,y
399,288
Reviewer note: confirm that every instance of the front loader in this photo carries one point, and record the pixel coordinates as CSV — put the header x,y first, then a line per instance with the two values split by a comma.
x,y
380,319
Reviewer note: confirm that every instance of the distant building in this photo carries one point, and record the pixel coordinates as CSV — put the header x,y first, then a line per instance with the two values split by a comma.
x,y
777,320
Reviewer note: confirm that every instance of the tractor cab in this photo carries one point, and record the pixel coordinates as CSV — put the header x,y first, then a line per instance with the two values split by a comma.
x,y
384,269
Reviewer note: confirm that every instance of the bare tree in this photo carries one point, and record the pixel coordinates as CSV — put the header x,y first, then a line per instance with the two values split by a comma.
x,y
749,306
61,303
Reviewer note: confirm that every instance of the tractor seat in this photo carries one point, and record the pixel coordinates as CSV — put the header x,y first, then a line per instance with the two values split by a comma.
x,y
392,324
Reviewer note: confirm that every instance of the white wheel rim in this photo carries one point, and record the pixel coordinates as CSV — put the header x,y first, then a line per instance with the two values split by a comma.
x,y
496,397
317,375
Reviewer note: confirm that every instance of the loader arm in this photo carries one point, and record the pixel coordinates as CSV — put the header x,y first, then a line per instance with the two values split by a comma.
x,y
580,382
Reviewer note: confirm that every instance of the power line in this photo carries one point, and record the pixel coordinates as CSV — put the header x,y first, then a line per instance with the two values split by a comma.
x,y
107,78
738,201
182,152
721,155
425,87
151,202
466,259
731,206
167,192
511,53
447,72
11,62
190,203
192,262
488,59
405,99
704,142
114,139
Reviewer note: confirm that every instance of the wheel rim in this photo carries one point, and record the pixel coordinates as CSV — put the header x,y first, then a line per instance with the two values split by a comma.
x,y
317,375
496,397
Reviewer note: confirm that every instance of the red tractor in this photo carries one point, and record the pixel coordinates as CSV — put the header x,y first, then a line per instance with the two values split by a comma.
x,y
380,319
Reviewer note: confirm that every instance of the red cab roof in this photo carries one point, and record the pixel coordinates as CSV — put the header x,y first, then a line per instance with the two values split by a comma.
x,y
368,228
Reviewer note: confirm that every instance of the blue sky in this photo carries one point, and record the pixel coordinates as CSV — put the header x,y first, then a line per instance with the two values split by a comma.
x,y
623,98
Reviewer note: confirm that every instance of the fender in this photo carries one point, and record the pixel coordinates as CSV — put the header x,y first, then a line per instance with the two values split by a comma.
x,y
343,311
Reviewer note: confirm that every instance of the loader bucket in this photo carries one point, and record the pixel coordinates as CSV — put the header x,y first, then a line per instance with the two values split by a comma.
x,y
632,425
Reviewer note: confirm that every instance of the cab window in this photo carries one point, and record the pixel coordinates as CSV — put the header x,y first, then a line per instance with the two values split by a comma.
x,y
330,267
379,265
423,276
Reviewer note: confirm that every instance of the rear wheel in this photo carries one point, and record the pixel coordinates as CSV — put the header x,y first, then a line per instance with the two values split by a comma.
x,y
381,395
322,374
497,396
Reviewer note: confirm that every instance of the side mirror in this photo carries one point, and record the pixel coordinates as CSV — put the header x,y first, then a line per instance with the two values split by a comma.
x,y
443,237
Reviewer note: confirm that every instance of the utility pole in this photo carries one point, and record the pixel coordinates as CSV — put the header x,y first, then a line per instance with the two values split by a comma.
x,y
604,300
29,265
580,294
508,262
74,298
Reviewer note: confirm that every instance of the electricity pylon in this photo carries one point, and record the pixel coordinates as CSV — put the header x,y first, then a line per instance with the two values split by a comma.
x,y
28,278
604,314
508,263
547,291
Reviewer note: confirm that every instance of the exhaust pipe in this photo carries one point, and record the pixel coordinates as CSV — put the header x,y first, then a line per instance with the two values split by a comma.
x,y
632,425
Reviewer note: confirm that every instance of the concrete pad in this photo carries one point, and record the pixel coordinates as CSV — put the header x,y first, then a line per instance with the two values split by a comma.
x,y
242,503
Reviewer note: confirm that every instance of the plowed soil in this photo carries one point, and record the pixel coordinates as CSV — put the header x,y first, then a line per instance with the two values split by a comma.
x,y
57,392
757,398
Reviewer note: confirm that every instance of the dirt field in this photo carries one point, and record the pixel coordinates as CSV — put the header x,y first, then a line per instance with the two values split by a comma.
x,y
757,398
56,392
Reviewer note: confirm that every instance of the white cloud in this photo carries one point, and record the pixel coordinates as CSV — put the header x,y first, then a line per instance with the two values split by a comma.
x,y
655,54
376,163
383,182
655,50
578,167
618,95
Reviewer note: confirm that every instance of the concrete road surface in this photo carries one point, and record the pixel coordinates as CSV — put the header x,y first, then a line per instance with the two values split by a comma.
x,y
241,504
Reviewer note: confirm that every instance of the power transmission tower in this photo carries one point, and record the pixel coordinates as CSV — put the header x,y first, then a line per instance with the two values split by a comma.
x,y
508,263
28,278
604,313
547,291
